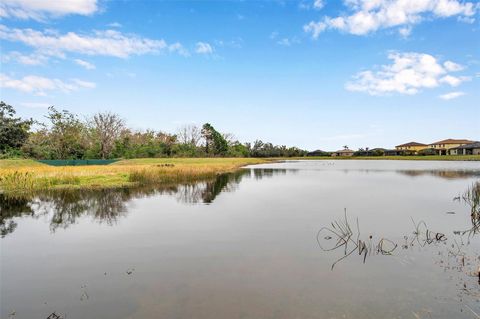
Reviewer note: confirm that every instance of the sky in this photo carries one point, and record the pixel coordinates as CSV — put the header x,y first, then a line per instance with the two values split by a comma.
x,y
311,73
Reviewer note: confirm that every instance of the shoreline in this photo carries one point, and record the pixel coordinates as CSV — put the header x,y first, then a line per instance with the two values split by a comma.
x,y
19,176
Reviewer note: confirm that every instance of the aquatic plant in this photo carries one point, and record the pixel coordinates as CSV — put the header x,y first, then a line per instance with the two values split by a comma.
x,y
344,237
472,198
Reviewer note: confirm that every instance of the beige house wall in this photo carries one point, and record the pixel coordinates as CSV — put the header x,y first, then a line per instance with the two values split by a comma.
x,y
411,148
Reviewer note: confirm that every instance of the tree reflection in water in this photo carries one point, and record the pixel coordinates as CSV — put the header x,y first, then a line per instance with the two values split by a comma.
x,y
108,205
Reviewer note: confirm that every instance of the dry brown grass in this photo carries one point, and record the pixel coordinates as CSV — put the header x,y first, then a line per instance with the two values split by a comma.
x,y
26,176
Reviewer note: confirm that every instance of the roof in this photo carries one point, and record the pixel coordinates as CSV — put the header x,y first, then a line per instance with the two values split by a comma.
x,y
453,141
345,151
411,144
469,146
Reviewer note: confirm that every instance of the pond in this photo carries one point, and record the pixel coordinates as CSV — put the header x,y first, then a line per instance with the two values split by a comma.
x,y
297,239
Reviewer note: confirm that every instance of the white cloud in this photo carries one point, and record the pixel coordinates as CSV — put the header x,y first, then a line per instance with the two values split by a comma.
x,y
368,16
107,43
84,84
452,95
288,41
318,4
315,28
285,42
41,9
311,4
39,85
178,48
235,43
203,48
408,74
87,65
452,66
26,59
114,25
405,31
454,80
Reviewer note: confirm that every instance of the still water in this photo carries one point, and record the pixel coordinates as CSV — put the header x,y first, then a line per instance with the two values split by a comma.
x,y
299,239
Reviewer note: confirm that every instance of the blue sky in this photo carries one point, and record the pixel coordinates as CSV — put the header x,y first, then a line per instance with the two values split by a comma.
x,y
315,74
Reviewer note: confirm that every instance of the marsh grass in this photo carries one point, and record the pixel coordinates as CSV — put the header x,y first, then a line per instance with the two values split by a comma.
x,y
162,176
17,180
28,176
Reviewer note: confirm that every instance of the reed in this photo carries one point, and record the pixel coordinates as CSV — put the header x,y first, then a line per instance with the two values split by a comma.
x,y
472,198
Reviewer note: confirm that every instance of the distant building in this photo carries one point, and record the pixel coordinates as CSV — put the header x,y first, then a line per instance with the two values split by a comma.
x,y
443,147
411,146
467,149
344,152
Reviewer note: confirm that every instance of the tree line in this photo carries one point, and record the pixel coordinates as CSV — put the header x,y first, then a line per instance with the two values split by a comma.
x,y
105,135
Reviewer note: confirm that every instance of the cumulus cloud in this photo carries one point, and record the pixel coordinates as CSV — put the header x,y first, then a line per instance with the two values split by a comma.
x,y
368,16
203,48
408,73
41,9
106,43
39,85
451,95
87,65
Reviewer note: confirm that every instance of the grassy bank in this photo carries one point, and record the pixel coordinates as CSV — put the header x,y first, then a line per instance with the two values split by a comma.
x,y
28,175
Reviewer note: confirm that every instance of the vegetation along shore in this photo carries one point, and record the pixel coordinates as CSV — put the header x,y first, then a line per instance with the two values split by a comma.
x,y
30,175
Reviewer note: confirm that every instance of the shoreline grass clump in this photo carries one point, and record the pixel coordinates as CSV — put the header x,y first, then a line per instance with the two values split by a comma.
x,y
17,180
161,176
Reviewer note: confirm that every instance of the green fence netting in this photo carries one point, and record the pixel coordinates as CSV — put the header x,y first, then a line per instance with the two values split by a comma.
x,y
77,162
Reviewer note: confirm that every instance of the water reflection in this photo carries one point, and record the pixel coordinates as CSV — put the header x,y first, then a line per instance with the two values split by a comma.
x,y
445,174
107,206
12,207
441,173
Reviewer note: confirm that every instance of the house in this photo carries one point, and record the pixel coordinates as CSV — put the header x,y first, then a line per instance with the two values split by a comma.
x,y
443,147
467,149
344,152
411,146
